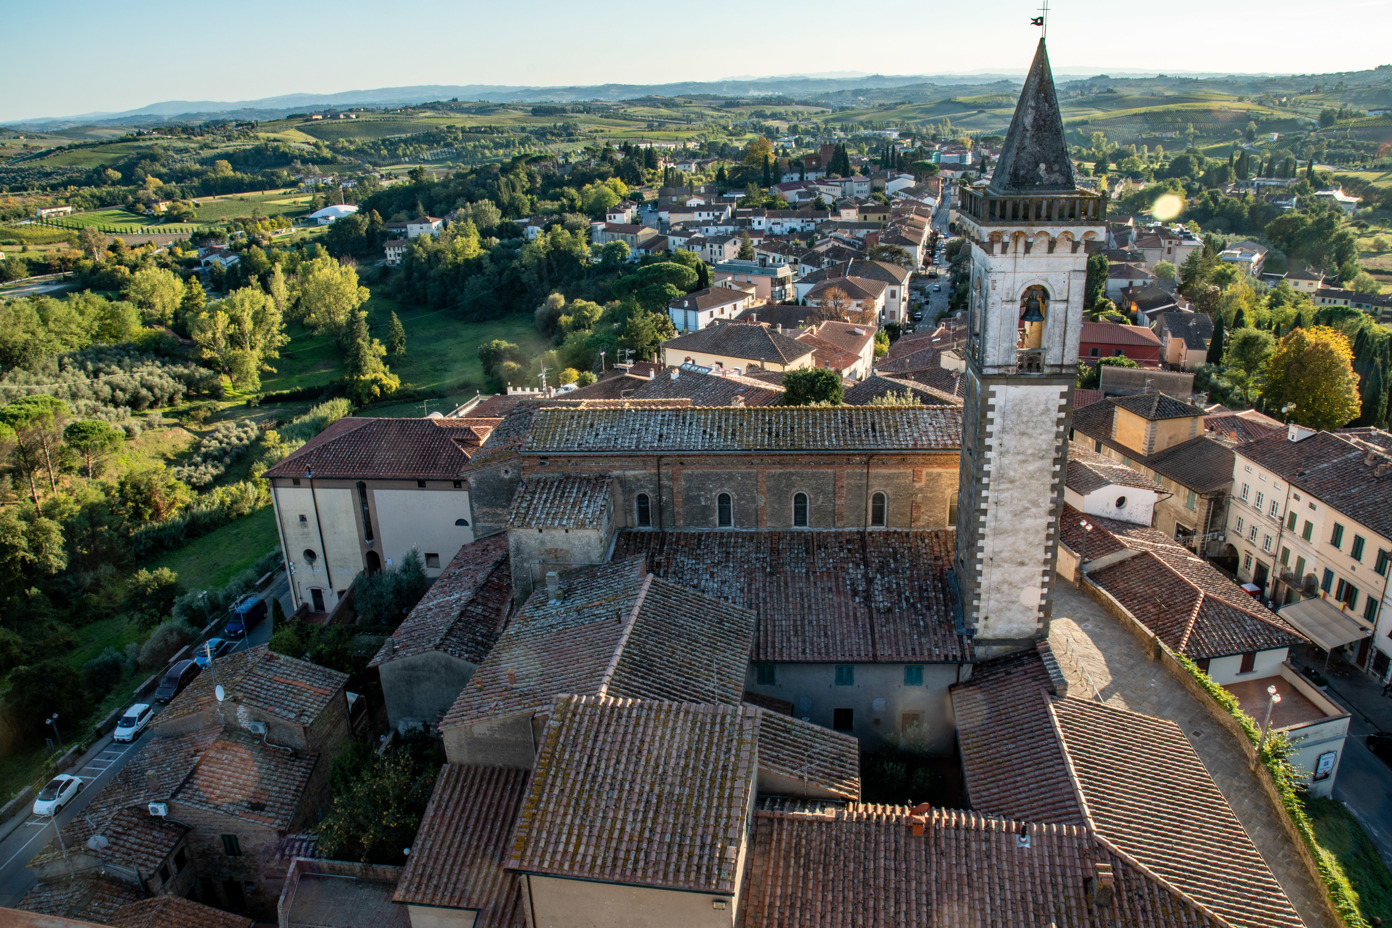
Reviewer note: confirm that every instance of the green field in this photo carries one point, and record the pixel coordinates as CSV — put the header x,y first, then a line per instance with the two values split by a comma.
x,y
212,561
241,205
105,218
1341,835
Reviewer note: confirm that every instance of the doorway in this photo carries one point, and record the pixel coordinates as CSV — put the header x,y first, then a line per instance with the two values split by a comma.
x,y
374,562
317,596
1259,576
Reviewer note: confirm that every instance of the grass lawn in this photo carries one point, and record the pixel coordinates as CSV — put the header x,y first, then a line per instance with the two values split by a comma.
x,y
104,217
213,560
1340,833
241,205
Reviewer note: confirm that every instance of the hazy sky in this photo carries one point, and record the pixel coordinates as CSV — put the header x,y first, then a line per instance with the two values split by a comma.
x,y
65,57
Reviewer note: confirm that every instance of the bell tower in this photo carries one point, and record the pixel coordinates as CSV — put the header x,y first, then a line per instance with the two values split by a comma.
x,y
1027,228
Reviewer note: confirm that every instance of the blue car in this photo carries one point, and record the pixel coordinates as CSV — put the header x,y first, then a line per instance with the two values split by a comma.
x,y
218,647
246,615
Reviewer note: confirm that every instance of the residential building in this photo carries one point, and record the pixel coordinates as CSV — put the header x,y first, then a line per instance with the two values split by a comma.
x,y
221,257
1097,486
1337,196
856,295
1305,281
1115,340
1184,338
602,233
425,225
718,303
895,277
845,347
1166,244
738,348
1377,305
53,212
1248,255
773,283
395,249
1121,277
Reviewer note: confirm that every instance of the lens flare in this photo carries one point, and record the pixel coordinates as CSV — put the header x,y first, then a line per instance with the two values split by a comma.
x,y
1167,207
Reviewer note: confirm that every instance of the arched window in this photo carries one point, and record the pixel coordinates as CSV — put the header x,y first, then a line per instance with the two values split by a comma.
x,y
952,510
366,512
310,556
800,510
724,511
879,504
643,507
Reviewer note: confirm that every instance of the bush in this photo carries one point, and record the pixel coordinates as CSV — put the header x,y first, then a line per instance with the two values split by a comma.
x,y
210,511
187,608
39,690
384,598
151,595
302,428
216,452
327,646
195,414
165,642
101,674
378,799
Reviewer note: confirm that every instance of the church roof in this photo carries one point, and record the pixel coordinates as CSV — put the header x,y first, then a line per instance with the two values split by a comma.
x,y
1034,158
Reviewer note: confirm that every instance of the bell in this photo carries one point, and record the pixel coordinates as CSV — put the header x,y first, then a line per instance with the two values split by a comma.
x,y
1032,313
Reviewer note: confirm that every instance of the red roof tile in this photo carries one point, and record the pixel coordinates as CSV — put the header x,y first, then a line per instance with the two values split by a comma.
x,y
387,449
174,912
292,689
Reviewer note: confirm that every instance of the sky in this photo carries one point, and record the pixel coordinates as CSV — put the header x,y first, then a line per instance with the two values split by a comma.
x,y
68,57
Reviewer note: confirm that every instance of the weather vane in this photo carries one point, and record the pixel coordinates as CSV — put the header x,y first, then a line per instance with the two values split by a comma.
x,y
1042,20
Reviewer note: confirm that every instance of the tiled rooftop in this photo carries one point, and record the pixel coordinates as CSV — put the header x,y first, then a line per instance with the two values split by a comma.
x,y
463,612
1089,471
809,754
643,793
708,389
1241,427
89,898
824,596
174,912
238,775
458,855
1201,463
1155,406
877,387
389,449
287,687
868,866
1341,469
578,501
757,343
617,632
728,429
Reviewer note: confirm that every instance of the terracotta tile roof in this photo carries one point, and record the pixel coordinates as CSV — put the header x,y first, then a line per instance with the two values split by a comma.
x,y
809,753
703,389
791,316
848,336
1147,792
91,899
883,271
743,342
463,612
287,687
1240,428
946,382
1083,398
863,866
458,854
506,439
174,912
1201,463
709,298
1156,406
1194,329
828,356
617,632
642,793
826,428
1183,599
240,776
1089,471
855,288
1346,471
579,501
877,387
389,449
1006,695
826,596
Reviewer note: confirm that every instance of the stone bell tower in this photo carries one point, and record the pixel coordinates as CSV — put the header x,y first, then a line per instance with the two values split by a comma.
x,y
1027,227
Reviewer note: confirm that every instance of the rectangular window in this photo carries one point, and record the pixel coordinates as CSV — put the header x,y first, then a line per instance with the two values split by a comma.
x,y
1252,533
909,721
1290,521
1356,552
1370,609
1247,564
180,860
432,561
1383,558
1309,530
1336,538
1300,569
1245,491
1191,500
1266,543
1275,509
1239,525
765,674
1202,664
420,484
913,675
843,719
1258,504
1327,583
230,846
1346,593
1249,662
845,674
1285,557
164,873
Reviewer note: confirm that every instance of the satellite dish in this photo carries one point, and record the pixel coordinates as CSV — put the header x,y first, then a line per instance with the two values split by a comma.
x,y
97,842
219,692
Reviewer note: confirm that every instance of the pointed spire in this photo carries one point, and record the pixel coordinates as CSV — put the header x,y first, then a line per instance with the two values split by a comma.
x,y
1035,158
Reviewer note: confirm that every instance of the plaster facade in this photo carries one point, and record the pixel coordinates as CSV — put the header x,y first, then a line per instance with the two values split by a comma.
x,y
419,688
554,902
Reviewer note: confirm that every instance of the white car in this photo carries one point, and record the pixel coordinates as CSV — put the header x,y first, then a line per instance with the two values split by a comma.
x,y
130,725
58,793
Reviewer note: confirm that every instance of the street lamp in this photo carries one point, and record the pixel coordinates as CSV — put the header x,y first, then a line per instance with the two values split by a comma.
x,y
1082,555
1266,725
52,722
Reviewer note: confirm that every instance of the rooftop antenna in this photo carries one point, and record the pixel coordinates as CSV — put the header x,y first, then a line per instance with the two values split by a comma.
x,y
1042,20
425,407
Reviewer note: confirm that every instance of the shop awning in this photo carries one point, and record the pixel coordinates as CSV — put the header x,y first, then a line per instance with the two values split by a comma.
x,y
1324,624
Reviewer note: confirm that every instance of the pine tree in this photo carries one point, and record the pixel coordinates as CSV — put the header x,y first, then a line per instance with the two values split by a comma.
x,y
396,337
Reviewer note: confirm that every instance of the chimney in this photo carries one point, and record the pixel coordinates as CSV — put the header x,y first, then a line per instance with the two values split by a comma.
x,y
1102,885
676,373
778,327
553,587
737,401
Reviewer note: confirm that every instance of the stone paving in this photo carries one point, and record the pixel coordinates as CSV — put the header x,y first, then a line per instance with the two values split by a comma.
x,y
1098,654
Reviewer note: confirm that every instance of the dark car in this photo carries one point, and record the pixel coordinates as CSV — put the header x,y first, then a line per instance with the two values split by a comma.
x,y
1380,743
246,615
178,677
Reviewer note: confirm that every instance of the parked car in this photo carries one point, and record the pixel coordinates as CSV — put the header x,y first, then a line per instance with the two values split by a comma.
x,y
178,677
217,647
130,725
246,615
937,287
58,793
1380,743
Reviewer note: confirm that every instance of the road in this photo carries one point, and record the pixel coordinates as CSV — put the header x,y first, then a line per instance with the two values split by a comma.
x,y
36,286
98,766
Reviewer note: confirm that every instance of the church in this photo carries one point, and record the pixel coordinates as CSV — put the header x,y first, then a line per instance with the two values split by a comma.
x,y
670,632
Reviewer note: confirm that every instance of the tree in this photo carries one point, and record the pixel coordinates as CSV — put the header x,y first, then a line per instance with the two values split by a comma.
x,y
1312,368
327,295
1328,116
157,292
1090,375
34,426
1215,344
1095,284
396,336
757,152
367,374
891,253
193,302
493,353
1165,270
92,242
241,334
746,248
1247,354
378,799
812,386
93,439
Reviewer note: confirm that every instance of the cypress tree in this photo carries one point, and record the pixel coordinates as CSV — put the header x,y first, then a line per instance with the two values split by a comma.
x,y
1239,320
1216,346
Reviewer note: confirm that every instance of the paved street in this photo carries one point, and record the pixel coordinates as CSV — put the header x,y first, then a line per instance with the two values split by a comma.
x,y
1099,656
96,768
